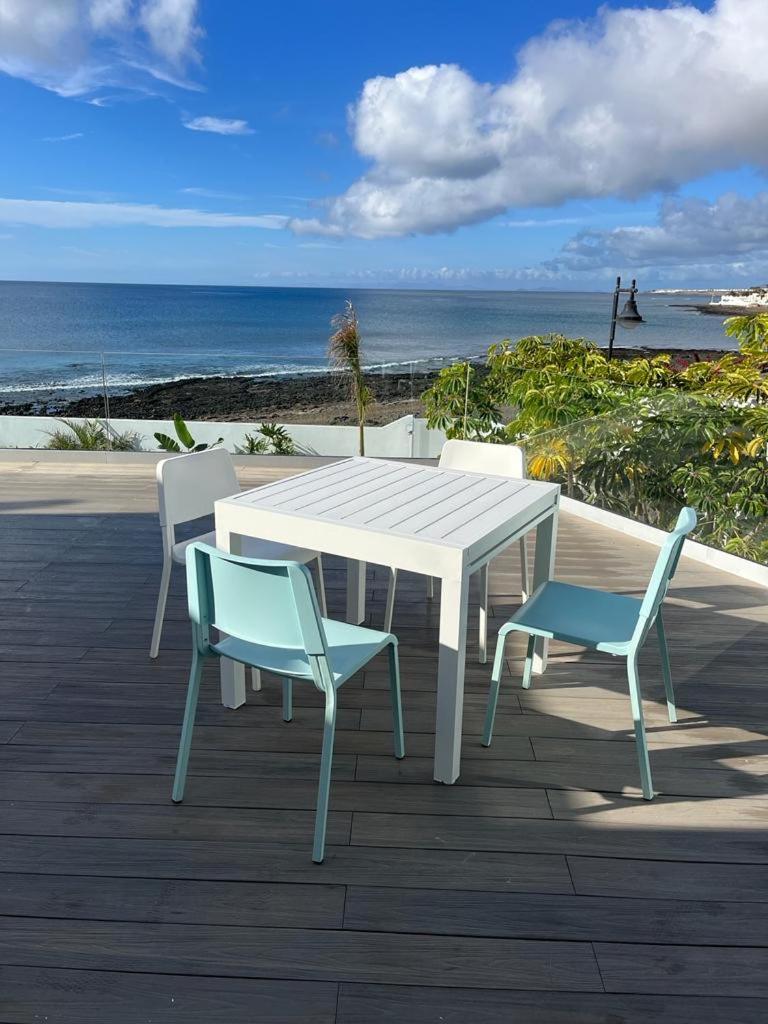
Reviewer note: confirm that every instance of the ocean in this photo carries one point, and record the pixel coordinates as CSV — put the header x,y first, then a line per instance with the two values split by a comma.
x,y
64,339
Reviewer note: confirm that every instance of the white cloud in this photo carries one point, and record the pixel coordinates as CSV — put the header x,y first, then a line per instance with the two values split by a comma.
x,y
76,47
63,138
638,100
494,278
56,214
105,14
219,125
689,232
547,222
90,194
209,193
172,28
328,139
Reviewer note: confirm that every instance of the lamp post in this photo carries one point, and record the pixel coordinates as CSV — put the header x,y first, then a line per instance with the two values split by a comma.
x,y
629,318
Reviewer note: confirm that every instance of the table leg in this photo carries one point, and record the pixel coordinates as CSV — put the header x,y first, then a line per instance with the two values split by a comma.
x,y
482,638
543,570
355,591
454,599
232,673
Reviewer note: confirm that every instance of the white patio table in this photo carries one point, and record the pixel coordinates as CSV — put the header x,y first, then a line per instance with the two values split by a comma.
x,y
433,521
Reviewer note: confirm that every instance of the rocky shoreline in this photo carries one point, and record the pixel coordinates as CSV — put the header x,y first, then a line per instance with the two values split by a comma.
x,y
718,309
320,398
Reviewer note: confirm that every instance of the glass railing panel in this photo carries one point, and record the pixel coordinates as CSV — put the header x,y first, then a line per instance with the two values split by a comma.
x,y
129,397
302,394
649,458
39,391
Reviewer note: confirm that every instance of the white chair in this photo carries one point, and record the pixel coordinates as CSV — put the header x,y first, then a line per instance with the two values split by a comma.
x,y
476,457
187,487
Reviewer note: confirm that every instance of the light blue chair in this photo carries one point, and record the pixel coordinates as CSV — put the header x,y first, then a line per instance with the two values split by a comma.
x,y
606,622
269,613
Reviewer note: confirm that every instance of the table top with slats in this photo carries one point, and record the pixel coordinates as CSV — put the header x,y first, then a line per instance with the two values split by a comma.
x,y
441,507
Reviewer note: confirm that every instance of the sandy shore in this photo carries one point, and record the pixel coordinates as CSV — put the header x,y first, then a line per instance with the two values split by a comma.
x,y
300,398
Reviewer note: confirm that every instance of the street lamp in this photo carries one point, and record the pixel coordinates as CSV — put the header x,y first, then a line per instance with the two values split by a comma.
x,y
629,318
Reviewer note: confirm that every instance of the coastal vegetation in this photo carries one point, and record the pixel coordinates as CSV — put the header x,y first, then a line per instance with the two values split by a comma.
x,y
345,353
184,442
268,439
90,436
640,437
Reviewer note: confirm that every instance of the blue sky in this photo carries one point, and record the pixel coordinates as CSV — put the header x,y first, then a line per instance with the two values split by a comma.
x,y
409,144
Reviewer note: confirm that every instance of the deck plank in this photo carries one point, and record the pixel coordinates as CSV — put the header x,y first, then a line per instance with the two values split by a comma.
x,y
29,995
82,787
576,918
307,955
737,971
673,880
172,901
743,846
362,1004
214,860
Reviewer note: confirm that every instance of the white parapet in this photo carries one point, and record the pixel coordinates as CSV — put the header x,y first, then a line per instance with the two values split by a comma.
x,y
741,567
407,437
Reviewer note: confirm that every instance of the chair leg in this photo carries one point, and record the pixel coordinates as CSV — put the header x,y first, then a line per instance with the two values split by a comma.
x,y
390,605
482,638
397,704
493,695
636,701
323,791
321,586
193,692
162,598
287,700
528,667
255,679
666,670
524,575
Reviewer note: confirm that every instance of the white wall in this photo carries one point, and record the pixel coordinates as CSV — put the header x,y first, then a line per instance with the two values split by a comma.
x,y
407,437
745,569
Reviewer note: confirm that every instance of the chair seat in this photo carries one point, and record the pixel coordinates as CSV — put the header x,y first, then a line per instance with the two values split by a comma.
x,y
252,547
579,615
349,648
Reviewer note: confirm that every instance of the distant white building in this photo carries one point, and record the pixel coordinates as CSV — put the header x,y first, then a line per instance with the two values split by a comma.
x,y
749,298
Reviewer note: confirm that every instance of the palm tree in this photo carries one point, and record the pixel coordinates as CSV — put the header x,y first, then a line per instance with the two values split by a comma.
x,y
344,352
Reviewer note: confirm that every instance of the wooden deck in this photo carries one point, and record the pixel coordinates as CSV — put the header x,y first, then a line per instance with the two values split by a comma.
x,y
539,890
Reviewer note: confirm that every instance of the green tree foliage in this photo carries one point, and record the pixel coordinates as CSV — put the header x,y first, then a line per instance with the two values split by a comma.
x,y
462,404
640,437
750,331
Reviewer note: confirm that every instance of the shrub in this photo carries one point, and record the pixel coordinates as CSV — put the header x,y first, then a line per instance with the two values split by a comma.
x,y
272,439
185,440
91,436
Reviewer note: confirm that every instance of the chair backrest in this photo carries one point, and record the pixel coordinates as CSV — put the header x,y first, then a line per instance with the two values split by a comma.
x,y
269,603
664,570
188,485
481,457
